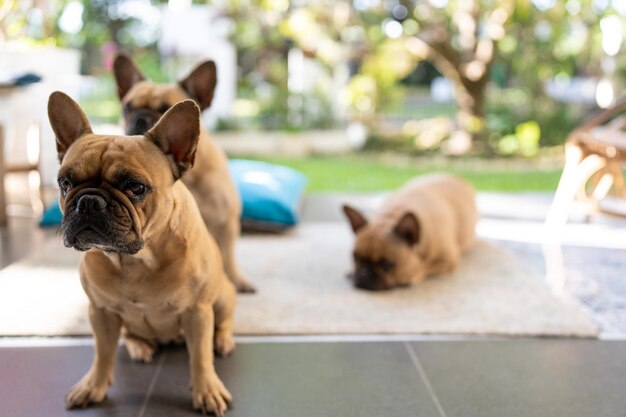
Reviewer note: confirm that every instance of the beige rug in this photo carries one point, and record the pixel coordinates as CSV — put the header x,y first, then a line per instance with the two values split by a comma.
x,y
303,290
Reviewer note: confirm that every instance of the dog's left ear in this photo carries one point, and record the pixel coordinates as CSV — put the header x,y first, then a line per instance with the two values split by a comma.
x,y
200,83
408,229
176,134
356,219
127,74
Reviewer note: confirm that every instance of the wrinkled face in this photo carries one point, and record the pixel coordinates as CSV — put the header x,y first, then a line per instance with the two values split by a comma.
x,y
110,188
384,261
146,103
116,189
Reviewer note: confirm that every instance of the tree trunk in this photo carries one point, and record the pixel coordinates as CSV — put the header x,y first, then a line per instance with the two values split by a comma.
x,y
470,118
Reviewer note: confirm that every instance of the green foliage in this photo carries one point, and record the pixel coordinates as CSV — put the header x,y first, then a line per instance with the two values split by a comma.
x,y
536,46
524,141
101,102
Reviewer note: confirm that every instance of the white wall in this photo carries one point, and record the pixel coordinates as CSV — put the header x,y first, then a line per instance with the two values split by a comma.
x,y
21,107
197,33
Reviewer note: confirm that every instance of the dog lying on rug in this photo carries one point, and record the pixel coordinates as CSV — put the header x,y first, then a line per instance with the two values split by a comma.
x,y
421,230
151,270
209,181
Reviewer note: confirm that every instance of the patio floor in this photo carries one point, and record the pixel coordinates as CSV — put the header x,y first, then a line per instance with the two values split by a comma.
x,y
470,378
393,375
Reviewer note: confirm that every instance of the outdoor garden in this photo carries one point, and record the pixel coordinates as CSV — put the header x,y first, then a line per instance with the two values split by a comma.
x,y
482,88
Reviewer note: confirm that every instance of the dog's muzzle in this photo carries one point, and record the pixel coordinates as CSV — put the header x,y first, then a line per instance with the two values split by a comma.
x,y
93,219
140,121
367,279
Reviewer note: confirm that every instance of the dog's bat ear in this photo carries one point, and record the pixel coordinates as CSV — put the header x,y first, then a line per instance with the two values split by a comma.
x,y
408,228
200,83
356,219
127,74
67,120
176,134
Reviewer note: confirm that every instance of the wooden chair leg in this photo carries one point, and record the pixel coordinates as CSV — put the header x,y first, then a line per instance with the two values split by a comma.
x,y
576,173
3,205
603,187
585,193
615,167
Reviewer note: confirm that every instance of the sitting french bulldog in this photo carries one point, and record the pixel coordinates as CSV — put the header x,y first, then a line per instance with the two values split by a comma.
x,y
143,104
151,270
421,230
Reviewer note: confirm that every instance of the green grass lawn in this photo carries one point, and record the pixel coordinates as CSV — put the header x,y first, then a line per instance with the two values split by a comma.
x,y
363,173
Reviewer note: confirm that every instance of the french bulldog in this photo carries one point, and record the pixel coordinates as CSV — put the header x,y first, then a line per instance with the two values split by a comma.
x,y
421,230
151,270
143,104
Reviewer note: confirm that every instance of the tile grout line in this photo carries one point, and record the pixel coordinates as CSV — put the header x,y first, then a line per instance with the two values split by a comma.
x,y
420,370
157,372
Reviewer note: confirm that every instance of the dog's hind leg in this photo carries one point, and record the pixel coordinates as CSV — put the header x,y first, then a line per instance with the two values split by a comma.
x,y
139,349
446,262
226,241
224,308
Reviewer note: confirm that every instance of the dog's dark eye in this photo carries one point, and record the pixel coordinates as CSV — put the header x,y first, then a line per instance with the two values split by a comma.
x,y
386,265
65,185
164,108
134,189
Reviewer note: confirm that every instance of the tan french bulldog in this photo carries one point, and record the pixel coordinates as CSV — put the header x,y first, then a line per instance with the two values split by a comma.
x,y
151,270
421,230
143,104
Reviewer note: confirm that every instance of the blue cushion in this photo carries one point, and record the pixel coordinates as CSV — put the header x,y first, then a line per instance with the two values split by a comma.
x,y
51,216
270,195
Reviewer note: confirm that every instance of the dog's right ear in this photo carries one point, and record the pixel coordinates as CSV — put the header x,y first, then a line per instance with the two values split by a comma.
x,y
408,228
176,134
200,83
356,219
67,120
127,74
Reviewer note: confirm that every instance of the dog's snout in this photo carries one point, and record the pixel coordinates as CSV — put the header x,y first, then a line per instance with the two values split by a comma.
x,y
90,203
139,126
368,280
141,122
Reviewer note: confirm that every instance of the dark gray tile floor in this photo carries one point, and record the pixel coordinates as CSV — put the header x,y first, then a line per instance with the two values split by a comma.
x,y
527,378
530,378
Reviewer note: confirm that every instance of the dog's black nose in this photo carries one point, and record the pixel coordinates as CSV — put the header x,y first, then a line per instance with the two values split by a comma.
x,y
140,122
90,203
368,280
139,127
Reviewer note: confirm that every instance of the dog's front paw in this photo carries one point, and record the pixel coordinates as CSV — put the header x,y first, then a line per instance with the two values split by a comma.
x,y
211,396
87,391
244,286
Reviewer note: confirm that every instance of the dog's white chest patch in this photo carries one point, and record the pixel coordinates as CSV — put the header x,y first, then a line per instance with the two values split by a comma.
x,y
141,306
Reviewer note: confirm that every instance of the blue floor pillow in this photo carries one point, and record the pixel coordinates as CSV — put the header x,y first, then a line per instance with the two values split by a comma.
x,y
270,195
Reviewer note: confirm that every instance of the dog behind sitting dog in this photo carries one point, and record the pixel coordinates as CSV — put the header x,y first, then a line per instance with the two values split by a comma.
x,y
151,270
421,230
143,104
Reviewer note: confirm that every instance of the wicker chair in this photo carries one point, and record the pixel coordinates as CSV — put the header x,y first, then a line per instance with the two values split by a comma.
x,y
594,154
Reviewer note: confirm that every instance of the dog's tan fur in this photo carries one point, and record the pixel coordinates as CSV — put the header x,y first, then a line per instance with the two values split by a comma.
x,y
209,180
421,230
175,286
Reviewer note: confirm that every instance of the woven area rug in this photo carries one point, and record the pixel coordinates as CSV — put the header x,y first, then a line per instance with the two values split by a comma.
x,y
303,290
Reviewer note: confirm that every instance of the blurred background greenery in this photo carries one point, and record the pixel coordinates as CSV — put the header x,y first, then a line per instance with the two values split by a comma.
x,y
506,78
